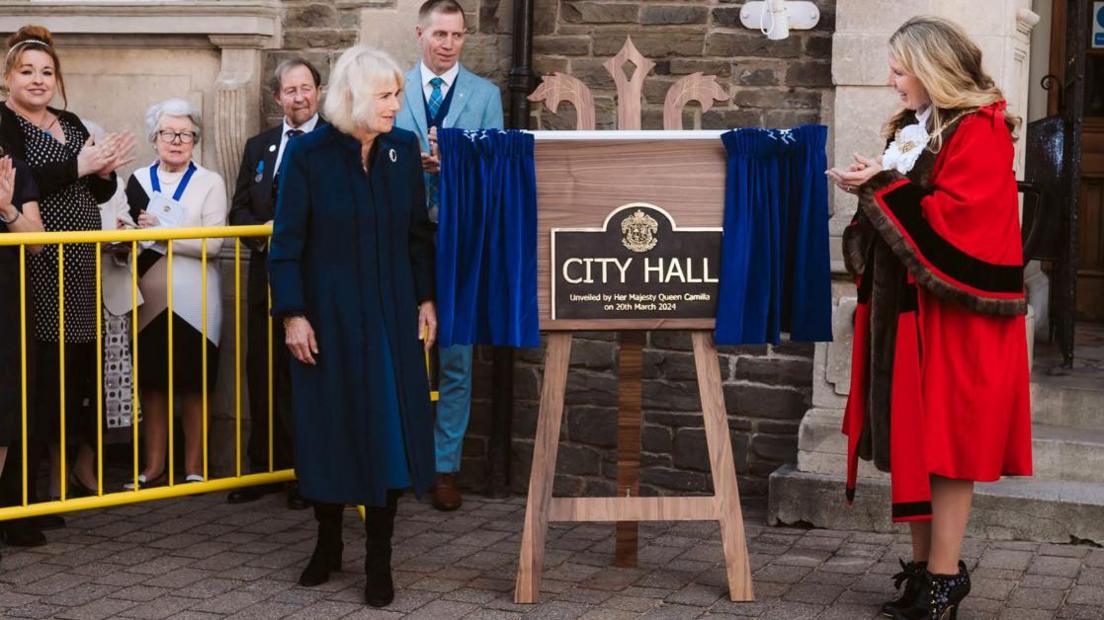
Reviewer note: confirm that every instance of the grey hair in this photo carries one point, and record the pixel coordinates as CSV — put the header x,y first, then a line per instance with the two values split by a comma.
x,y
354,79
277,81
171,107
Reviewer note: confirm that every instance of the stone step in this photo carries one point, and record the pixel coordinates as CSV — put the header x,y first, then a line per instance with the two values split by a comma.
x,y
1013,509
1074,396
1073,402
1059,453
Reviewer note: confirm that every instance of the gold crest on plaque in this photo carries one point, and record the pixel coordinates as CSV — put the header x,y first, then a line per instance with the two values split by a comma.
x,y
639,231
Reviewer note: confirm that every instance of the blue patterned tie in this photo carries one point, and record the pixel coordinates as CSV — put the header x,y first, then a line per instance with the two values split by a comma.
x,y
435,98
432,189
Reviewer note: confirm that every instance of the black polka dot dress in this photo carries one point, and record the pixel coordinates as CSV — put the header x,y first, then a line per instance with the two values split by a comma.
x,y
72,208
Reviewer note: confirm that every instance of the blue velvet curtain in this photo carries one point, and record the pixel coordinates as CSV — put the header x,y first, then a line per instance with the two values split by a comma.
x,y
487,239
775,272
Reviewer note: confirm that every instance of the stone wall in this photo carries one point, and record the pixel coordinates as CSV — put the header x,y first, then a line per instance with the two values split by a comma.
x,y
767,389
778,84
320,30
773,83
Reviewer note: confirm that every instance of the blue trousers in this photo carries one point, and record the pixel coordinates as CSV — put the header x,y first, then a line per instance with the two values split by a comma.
x,y
454,406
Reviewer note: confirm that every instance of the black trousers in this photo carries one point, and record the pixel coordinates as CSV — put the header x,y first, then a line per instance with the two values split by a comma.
x,y
44,412
11,480
80,393
257,377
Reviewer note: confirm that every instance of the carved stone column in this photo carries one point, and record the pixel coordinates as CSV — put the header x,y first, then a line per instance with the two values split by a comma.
x,y
236,116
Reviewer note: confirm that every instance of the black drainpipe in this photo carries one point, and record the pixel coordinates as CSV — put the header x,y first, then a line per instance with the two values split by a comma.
x,y
521,71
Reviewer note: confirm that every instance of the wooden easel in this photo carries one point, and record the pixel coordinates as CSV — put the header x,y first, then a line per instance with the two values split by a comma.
x,y
723,506
576,183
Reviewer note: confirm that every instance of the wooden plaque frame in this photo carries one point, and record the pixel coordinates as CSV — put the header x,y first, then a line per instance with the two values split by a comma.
x,y
584,175
581,177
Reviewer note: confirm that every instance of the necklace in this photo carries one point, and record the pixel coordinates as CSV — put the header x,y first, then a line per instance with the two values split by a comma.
x,y
45,117
48,125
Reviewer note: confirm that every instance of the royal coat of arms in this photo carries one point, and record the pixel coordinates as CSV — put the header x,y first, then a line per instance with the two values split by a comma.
x,y
639,231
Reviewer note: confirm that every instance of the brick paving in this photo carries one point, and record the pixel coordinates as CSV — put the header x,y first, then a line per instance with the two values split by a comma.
x,y
201,558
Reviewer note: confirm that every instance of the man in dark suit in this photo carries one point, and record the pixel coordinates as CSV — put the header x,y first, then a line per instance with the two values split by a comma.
x,y
296,88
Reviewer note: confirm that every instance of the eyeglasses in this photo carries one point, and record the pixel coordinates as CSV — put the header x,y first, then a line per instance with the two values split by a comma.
x,y
185,137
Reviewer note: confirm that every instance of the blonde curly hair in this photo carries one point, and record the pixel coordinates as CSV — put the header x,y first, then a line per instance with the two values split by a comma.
x,y
948,64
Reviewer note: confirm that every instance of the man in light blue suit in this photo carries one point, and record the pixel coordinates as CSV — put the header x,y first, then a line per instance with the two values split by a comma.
x,y
440,92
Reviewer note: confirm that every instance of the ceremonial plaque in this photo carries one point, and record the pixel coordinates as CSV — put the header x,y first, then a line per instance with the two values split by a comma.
x,y
590,185
629,230
638,264
629,240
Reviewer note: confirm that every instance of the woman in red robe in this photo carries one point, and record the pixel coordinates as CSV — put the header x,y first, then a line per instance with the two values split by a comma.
x,y
939,389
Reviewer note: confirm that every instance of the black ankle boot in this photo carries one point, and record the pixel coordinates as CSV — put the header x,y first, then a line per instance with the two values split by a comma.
x,y
379,525
939,597
327,549
912,576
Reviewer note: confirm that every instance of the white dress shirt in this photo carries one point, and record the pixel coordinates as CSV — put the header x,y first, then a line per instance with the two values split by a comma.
x,y
448,76
306,127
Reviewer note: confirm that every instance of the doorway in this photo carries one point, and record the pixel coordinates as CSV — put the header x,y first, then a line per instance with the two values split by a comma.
x,y
1090,231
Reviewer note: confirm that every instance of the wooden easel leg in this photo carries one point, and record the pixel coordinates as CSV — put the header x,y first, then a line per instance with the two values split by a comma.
x,y
726,492
541,478
629,399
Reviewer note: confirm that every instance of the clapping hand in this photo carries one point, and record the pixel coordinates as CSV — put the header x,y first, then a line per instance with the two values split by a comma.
x,y
7,188
854,176
431,161
104,157
120,152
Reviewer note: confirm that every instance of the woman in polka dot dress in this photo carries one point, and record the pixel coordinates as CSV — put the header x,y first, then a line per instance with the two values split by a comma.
x,y
73,176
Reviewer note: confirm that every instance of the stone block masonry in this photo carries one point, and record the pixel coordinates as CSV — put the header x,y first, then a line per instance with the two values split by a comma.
x,y
767,390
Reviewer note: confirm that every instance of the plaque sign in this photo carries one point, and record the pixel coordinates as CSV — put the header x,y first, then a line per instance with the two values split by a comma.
x,y
647,267
638,265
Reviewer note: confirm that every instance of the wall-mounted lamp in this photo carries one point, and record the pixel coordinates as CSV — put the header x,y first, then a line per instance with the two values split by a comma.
x,y
775,18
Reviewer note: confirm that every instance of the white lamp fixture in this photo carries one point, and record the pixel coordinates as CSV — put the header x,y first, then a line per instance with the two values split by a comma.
x,y
775,18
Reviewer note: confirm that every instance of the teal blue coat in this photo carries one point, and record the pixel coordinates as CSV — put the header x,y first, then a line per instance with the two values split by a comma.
x,y
477,104
351,251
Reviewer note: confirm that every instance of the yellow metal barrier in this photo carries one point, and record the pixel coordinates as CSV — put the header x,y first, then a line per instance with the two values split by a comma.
x,y
104,499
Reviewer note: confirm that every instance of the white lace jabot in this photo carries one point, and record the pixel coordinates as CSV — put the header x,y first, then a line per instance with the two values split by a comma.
x,y
908,143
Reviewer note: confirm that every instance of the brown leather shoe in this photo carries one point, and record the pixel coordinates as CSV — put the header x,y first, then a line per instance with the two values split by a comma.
x,y
446,496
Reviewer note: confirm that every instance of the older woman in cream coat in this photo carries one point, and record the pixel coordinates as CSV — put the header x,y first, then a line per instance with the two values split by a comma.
x,y
174,191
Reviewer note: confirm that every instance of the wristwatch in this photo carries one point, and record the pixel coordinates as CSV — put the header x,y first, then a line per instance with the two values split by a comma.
x,y
5,221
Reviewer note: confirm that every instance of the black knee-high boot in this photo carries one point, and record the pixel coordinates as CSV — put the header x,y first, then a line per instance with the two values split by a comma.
x,y
379,525
327,549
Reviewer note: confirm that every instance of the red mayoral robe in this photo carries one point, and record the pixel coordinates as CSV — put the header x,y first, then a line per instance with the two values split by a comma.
x,y
940,381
